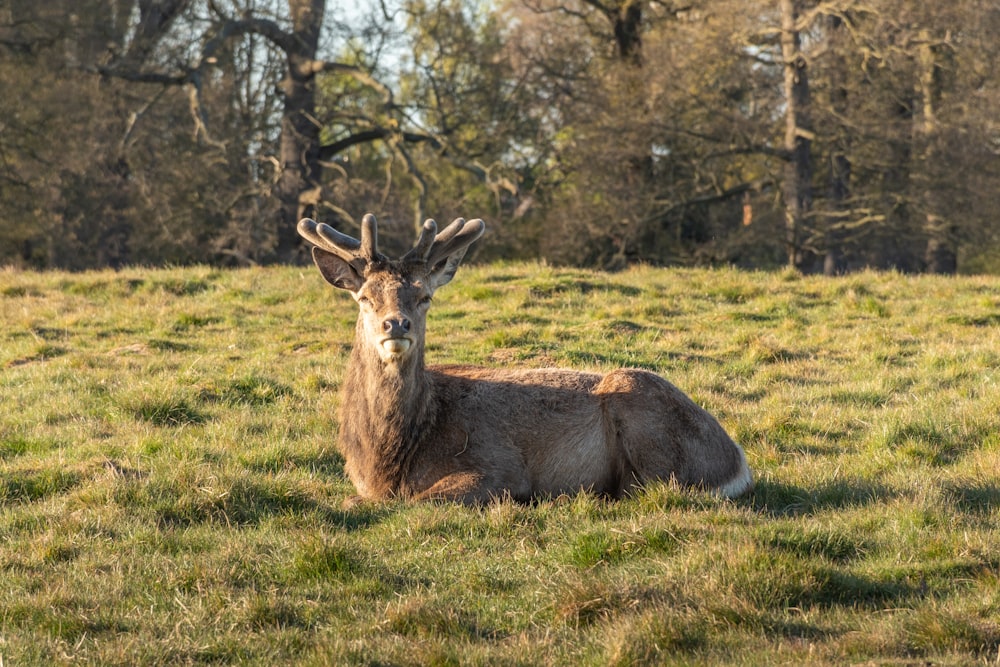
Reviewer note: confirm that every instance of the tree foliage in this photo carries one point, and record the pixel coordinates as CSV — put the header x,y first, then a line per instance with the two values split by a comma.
x,y
829,135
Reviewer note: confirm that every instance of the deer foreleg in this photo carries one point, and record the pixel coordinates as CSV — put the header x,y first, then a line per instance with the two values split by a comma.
x,y
464,486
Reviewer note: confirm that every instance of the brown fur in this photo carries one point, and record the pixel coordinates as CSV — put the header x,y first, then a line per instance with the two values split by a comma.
x,y
473,434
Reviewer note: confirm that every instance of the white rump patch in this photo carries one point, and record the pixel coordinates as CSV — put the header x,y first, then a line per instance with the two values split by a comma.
x,y
741,482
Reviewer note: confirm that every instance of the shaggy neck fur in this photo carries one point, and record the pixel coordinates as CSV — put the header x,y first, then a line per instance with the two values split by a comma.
x,y
386,411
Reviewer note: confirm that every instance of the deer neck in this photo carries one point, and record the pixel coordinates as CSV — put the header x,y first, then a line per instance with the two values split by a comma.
x,y
386,409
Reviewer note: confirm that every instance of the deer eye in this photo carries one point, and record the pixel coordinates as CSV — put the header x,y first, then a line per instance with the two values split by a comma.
x,y
424,300
364,301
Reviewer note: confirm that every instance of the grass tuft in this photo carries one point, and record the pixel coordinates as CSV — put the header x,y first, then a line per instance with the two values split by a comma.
x,y
32,485
252,391
320,560
930,632
420,617
164,411
656,638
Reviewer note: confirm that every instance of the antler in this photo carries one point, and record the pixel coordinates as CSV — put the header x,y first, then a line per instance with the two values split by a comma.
x,y
432,247
346,247
424,243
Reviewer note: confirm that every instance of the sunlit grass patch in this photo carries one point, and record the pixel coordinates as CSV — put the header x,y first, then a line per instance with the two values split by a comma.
x,y
253,390
934,631
656,637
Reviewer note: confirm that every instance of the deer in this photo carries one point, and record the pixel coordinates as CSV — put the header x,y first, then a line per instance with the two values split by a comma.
x,y
474,435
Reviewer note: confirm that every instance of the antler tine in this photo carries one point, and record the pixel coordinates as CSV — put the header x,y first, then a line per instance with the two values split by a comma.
x,y
329,239
424,243
369,236
346,247
449,232
455,237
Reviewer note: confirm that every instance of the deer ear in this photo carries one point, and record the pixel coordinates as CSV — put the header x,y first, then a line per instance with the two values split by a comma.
x,y
337,271
444,271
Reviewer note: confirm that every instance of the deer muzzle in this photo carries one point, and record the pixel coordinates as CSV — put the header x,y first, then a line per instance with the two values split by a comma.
x,y
396,346
397,341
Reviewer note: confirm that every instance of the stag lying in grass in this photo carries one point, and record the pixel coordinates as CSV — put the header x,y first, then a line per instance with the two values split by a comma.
x,y
474,434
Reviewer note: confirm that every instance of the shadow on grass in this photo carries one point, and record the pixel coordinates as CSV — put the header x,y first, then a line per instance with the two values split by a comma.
x,y
778,499
358,517
35,485
981,500
544,288
241,503
430,618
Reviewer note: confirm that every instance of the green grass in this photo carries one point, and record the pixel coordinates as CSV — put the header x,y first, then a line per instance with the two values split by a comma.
x,y
170,490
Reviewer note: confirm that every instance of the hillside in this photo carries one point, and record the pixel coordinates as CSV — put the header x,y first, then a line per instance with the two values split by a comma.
x,y
170,491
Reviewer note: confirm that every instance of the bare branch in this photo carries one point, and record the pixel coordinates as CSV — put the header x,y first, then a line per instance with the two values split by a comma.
x,y
134,118
237,28
155,19
359,74
328,151
136,76
609,12
198,114
396,142
757,185
482,173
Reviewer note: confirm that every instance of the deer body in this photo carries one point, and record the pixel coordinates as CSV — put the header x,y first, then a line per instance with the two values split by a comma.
x,y
472,434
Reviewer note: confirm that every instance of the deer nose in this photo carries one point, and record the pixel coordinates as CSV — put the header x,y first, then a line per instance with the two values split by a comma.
x,y
396,327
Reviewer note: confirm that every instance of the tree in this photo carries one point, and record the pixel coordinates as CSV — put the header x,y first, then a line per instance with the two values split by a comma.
x,y
103,172
183,56
65,189
153,58
839,179
905,131
831,135
456,131
660,156
797,182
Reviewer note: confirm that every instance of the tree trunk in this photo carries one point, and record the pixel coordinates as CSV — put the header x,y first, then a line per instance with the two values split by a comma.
x,y
840,164
890,246
797,186
939,255
299,184
627,28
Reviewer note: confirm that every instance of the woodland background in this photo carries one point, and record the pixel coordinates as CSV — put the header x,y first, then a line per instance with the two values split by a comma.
x,y
830,136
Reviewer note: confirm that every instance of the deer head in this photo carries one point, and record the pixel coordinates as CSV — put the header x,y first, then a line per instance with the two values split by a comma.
x,y
393,295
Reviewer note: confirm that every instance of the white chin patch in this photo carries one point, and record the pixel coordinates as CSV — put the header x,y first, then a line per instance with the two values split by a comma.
x,y
395,346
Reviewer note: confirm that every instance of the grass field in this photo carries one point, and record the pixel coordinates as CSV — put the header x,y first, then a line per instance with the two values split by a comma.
x,y
170,490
